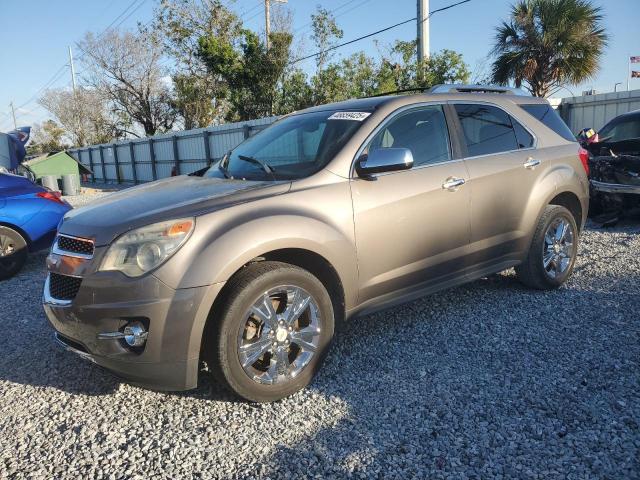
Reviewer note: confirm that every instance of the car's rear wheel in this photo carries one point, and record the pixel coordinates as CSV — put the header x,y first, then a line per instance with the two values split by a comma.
x,y
273,332
553,250
13,252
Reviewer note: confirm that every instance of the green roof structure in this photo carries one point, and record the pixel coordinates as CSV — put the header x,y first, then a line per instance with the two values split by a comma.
x,y
58,164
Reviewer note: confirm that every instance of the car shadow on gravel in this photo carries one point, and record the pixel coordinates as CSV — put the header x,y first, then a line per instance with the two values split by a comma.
x,y
34,358
487,379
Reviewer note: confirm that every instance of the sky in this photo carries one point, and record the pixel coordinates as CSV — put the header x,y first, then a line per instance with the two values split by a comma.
x,y
36,35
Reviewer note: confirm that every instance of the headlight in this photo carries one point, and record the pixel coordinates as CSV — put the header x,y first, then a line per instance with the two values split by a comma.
x,y
139,251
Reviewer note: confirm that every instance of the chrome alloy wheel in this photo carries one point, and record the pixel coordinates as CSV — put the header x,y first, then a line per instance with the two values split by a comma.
x,y
559,247
7,246
279,335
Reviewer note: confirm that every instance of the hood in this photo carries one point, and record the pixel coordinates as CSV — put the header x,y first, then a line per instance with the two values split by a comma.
x,y
175,197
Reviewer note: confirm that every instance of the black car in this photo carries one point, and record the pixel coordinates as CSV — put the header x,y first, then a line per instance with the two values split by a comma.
x,y
615,169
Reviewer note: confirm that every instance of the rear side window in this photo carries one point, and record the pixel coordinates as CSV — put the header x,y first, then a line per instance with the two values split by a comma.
x,y
524,138
547,115
486,129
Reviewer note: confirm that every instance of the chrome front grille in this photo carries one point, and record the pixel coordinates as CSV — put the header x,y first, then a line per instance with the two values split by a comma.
x,y
73,246
63,287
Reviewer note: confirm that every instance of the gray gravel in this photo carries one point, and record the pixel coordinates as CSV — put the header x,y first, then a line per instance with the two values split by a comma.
x,y
489,380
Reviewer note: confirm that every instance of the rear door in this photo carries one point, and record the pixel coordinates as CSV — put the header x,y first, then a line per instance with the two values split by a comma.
x,y
503,170
410,230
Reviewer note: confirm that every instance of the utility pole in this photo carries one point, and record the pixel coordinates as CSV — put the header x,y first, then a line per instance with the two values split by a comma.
x,y
628,69
267,19
13,112
73,70
423,30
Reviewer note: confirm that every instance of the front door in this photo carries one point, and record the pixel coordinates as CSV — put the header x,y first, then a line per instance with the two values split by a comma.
x,y
412,227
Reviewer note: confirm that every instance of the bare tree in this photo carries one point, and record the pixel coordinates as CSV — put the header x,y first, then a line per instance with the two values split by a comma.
x,y
82,114
46,137
125,67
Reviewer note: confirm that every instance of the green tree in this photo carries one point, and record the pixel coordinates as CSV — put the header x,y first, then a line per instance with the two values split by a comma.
x,y
352,77
399,70
549,43
251,72
326,34
295,93
198,96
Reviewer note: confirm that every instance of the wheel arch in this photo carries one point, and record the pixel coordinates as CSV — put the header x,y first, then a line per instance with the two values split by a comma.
x,y
308,260
571,202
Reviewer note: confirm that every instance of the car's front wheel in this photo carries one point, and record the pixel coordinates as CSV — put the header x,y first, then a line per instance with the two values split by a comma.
x,y
13,252
273,332
553,250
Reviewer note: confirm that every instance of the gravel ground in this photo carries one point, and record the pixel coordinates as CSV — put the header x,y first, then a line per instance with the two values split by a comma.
x,y
489,380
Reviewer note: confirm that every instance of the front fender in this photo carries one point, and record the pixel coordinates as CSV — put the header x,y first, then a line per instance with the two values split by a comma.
x,y
215,254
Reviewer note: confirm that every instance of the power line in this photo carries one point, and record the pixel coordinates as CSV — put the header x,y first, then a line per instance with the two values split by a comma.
x,y
335,47
443,9
55,77
243,14
111,25
306,25
52,80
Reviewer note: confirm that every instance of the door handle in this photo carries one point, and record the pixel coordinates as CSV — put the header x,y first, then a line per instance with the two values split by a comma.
x,y
452,183
531,163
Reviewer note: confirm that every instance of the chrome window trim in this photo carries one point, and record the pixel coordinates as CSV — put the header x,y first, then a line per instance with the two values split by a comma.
x,y
389,118
58,251
525,126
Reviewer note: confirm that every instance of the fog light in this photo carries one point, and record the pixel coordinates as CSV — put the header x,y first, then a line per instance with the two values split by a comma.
x,y
135,335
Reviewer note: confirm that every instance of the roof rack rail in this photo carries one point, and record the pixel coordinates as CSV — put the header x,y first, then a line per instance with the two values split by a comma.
x,y
462,88
456,88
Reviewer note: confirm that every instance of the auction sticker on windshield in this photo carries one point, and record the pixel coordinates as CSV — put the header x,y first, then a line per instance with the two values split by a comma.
x,y
357,116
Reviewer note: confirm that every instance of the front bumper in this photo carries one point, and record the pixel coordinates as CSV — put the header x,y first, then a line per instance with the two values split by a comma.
x,y
108,301
615,187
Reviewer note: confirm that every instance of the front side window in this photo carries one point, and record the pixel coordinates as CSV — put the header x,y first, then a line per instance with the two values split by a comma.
x,y
486,129
422,130
294,147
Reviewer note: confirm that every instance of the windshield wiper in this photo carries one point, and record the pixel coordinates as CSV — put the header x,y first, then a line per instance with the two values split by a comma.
x,y
265,166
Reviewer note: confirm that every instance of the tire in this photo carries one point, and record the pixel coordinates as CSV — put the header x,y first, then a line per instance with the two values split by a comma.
x,y
537,271
246,326
13,252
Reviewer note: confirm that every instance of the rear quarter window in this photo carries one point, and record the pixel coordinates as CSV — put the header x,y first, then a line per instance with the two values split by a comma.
x,y
547,115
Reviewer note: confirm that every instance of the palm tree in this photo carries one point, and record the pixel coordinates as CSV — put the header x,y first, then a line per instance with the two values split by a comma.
x,y
549,43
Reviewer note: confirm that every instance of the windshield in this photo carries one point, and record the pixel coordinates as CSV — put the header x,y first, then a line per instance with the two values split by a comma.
x,y
622,128
294,147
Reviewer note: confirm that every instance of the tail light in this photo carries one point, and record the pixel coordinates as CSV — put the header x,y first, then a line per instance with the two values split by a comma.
x,y
50,195
584,158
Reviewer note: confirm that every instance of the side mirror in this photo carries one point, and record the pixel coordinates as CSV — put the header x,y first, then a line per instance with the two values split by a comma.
x,y
383,160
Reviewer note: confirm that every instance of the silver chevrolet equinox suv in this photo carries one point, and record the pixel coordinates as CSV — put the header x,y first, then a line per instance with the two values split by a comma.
x,y
330,213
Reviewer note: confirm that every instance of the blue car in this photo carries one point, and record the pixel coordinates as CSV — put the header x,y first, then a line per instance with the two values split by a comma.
x,y
29,217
